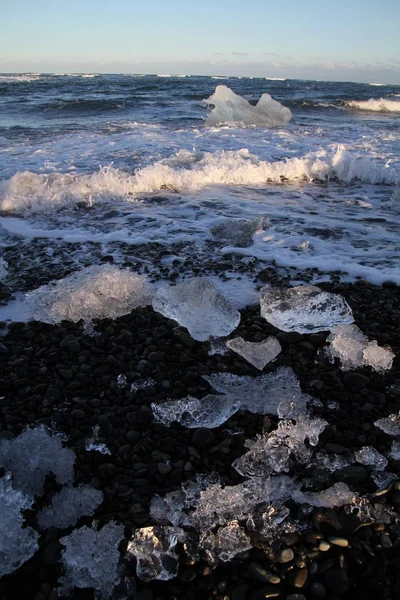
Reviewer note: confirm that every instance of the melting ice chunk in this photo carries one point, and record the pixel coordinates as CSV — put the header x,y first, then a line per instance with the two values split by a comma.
x,y
351,346
34,454
93,444
257,354
383,478
91,559
211,411
395,450
331,462
273,393
337,495
239,232
217,346
231,108
17,544
367,455
3,267
304,309
197,305
96,292
225,543
155,551
122,381
390,424
69,505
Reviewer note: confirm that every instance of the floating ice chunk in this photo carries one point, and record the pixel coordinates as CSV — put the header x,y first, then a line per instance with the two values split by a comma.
x,y
390,424
337,495
93,445
273,393
304,309
270,453
155,551
367,455
210,412
378,358
91,559
395,450
239,232
258,354
351,346
33,455
197,305
233,109
69,505
17,544
226,543
96,292
331,462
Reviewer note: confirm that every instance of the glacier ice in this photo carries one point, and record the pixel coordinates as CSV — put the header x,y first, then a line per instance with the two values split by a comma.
x,y
233,109
305,309
258,354
338,494
90,559
155,551
390,424
239,232
197,305
369,456
210,412
225,543
34,454
17,544
351,346
95,292
274,393
69,505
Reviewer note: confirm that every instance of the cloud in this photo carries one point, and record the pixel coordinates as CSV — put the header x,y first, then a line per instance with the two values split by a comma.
x,y
239,53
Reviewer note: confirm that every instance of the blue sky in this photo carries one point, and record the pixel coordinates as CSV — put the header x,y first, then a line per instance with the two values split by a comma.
x,y
314,39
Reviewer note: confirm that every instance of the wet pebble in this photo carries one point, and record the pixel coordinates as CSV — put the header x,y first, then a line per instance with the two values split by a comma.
x,y
285,556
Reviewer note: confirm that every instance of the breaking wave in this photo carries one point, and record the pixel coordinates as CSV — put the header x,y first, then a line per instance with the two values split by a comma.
x,y
187,172
85,105
22,77
380,105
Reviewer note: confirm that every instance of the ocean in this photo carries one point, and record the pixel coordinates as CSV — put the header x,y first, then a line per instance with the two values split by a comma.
x,y
104,165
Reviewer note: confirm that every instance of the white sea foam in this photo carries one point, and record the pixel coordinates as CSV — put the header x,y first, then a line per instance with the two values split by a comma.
x,y
381,105
19,77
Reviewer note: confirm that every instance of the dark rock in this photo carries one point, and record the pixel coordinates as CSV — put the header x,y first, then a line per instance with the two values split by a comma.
x,y
203,438
337,581
351,380
352,475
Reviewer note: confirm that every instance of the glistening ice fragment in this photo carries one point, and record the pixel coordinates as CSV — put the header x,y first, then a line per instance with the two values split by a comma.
x,y
351,346
390,425
69,505
257,354
226,543
369,456
239,232
211,411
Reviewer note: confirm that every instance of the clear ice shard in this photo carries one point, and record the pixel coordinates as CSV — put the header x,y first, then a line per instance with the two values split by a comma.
x,y
69,505
390,425
305,309
217,346
155,551
239,232
395,450
383,478
34,454
17,544
3,267
93,444
274,393
96,292
270,452
122,381
369,456
230,108
331,462
226,543
210,412
257,354
338,494
90,559
197,305
351,346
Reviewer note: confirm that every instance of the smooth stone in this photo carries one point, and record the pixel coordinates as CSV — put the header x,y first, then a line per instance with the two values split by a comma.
x,y
339,541
266,592
337,581
324,546
300,578
355,379
258,572
317,590
296,597
285,555
352,475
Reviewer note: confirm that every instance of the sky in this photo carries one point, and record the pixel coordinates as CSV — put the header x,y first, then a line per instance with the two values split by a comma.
x,y
343,40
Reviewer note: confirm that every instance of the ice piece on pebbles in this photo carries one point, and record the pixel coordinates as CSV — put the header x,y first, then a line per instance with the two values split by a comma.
x,y
233,109
351,346
338,494
257,354
268,394
34,454
217,346
378,358
122,381
155,552
383,478
331,462
239,232
17,544
226,543
395,450
369,456
197,305
96,292
390,424
142,385
91,559
93,444
3,267
69,505
305,309
210,412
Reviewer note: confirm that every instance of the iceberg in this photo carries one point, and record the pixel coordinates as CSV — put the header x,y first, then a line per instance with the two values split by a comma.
x,y
210,412
257,354
230,108
351,346
239,232
305,309
197,305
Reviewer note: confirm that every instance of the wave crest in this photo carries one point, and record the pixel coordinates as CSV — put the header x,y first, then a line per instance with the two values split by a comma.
x,y
380,105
